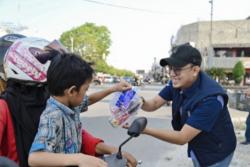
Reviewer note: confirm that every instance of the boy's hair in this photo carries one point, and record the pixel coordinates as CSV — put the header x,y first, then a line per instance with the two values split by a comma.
x,y
67,70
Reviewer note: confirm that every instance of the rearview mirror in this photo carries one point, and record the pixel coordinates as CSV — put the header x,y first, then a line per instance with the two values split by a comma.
x,y
137,127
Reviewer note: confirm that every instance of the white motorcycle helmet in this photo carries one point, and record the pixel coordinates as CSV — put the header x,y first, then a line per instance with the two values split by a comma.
x,y
5,42
28,60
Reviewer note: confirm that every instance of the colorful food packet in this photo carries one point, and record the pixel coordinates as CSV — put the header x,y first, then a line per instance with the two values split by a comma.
x,y
123,106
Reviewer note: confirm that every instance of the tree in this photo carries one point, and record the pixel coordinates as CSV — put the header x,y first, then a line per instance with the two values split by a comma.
x,y
102,66
217,73
91,42
238,72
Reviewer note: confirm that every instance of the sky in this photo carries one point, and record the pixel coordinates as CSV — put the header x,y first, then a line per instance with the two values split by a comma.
x,y
141,30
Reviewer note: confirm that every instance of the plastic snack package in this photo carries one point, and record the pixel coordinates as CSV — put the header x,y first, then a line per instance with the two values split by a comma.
x,y
123,106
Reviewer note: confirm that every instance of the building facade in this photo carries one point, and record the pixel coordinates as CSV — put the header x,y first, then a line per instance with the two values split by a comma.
x,y
221,43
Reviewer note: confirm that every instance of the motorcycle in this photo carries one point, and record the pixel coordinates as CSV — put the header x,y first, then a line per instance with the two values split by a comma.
x,y
135,129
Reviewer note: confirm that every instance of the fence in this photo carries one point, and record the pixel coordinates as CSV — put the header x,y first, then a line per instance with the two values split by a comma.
x,y
238,100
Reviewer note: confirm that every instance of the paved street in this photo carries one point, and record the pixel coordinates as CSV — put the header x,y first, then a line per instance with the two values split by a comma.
x,y
153,153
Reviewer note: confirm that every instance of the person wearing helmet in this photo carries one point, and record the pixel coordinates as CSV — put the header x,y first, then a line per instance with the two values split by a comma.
x,y
25,96
5,118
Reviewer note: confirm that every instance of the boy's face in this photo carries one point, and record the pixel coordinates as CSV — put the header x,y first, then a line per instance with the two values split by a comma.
x,y
77,96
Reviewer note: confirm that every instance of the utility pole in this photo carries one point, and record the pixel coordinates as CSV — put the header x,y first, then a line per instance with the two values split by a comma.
x,y
211,24
209,49
72,44
154,69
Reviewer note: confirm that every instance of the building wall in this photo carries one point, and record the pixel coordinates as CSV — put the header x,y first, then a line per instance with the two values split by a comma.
x,y
187,33
222,32
233,32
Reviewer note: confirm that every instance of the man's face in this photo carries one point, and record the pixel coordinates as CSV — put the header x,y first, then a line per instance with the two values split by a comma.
x,y
183,77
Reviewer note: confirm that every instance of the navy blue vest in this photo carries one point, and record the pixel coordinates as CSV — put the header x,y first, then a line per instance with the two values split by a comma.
x,y
209,147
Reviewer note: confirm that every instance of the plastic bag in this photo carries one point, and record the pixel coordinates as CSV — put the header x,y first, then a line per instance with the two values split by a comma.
x,y
123,106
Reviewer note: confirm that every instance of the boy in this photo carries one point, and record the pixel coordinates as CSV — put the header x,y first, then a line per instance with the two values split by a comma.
x,y
59,138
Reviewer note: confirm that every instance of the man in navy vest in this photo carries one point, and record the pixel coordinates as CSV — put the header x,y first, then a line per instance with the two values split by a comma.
x,y
200,115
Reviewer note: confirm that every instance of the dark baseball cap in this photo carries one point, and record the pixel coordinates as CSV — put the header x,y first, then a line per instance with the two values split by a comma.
x,y
182,55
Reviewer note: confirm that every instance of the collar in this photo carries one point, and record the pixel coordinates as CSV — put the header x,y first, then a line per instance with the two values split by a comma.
x,y
191,90
61,106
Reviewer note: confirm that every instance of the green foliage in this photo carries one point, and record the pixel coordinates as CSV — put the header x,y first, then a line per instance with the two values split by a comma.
x,y
216,73
91,42
102,66
238,72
